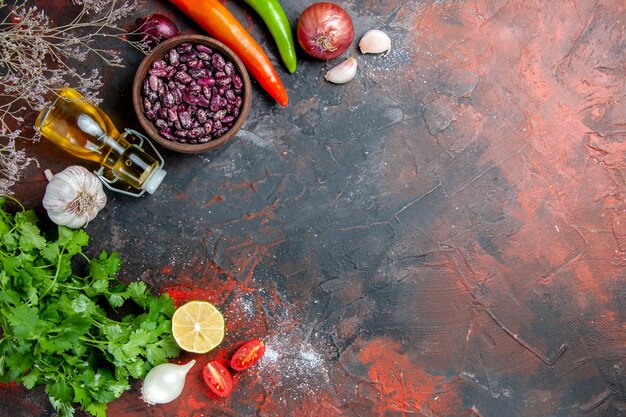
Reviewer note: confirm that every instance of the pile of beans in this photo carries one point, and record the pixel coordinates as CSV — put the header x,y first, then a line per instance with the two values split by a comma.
x,y
193,94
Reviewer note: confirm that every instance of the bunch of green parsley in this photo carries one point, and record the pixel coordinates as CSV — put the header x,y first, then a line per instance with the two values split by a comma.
x,y
57,328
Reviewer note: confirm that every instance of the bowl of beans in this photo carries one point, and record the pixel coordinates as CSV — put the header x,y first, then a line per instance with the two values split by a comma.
x,y
191,93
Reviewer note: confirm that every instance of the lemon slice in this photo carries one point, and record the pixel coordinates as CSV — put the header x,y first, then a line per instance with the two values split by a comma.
x,y
197,326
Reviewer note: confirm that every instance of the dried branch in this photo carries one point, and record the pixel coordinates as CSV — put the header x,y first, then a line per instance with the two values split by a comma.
x,y
37,58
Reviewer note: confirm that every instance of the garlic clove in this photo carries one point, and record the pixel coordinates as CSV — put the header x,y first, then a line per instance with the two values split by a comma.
x,y
343,72
375,42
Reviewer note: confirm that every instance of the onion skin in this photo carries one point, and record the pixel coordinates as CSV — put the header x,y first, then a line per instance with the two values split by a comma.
x,y
325,30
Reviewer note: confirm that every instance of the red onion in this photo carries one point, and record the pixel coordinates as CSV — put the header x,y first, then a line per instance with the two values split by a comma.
x,y
325,30
156,28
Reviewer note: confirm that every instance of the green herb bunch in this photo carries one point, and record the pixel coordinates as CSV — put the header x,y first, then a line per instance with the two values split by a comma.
x,y
56,325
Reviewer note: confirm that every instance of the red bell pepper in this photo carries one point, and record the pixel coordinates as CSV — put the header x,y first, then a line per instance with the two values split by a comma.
x,y
218,22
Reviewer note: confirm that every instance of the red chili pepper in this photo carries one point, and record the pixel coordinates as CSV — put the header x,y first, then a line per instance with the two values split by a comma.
x,y
213,17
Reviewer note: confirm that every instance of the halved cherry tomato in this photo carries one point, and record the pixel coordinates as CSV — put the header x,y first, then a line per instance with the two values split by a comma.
x,y
218,378
247,355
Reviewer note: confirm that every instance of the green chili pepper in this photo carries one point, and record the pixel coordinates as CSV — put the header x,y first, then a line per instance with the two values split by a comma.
x,y
276,20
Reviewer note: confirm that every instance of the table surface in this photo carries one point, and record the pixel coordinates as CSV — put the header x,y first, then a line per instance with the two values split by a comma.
x,y
445,235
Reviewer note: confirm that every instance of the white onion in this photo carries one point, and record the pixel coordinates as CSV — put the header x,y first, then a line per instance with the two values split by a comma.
x,y
165,382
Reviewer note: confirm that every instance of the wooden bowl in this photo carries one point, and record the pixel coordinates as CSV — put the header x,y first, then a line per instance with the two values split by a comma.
x,y
158,53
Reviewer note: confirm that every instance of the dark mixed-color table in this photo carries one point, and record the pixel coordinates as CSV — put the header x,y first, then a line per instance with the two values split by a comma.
x,y
445,235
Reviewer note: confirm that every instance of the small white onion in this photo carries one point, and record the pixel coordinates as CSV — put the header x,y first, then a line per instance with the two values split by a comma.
x,y
165,382
374,42
343,72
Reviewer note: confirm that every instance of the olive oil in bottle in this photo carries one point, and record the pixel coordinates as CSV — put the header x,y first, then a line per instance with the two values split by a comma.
x,y
85,131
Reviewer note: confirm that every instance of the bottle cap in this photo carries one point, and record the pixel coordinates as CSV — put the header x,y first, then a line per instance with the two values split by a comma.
x,y
154,180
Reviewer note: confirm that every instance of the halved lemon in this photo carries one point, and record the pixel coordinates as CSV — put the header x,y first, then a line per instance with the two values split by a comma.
x,y
197,326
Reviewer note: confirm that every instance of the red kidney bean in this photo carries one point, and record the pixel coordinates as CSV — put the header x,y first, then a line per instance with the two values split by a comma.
x,y
228,120
204,56
201,116
215,103
237,82
178,95
184,48
208,125
190,99
195,64
160,64
147,104
194,89
170,73
203,102
188,57
159,72
229,68
183,77
219,115
197,73
145,87
154,82
206,81
204,139
203,48
168,135
221,90
172,114
162,112
206,91
181,133
230,96
173,57
196,132
161,124
153,96
151,115
185,119
223,81
217,125
218,61
169,100
156,106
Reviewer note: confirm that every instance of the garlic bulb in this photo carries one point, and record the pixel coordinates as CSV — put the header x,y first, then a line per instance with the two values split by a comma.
x,y
343,72
73,197
374,42
165,382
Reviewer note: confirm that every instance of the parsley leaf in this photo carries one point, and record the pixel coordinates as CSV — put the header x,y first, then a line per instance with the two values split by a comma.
x,y
25,322
55,330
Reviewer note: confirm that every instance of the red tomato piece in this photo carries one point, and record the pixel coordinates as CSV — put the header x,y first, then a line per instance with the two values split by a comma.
x,y
247,355
218,378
